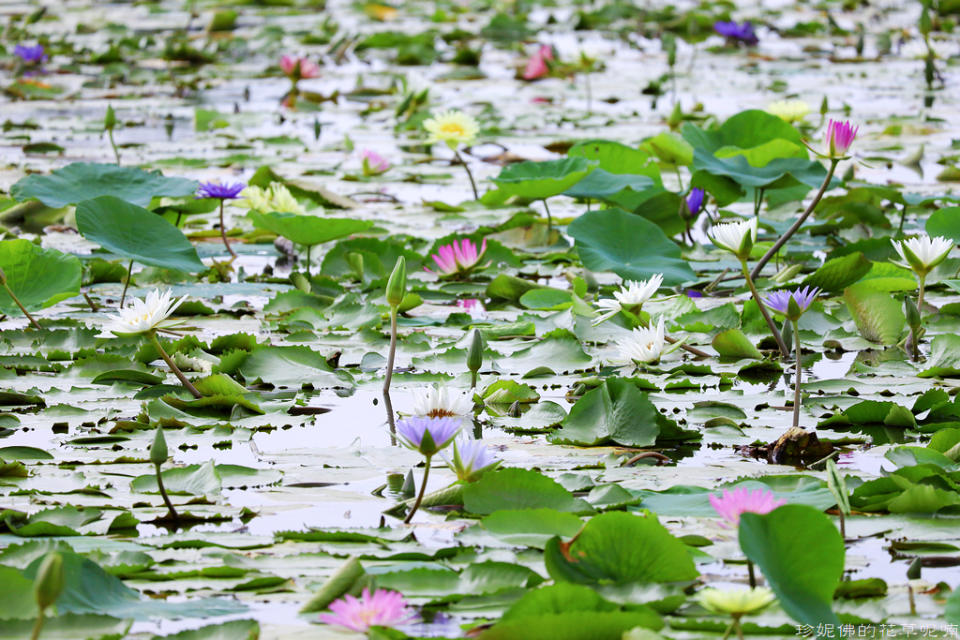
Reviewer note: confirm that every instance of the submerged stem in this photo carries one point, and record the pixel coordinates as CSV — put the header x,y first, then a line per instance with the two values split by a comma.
x,y
797,376
423,489
752,574
772,251
173,367
784,351
163,494
473,185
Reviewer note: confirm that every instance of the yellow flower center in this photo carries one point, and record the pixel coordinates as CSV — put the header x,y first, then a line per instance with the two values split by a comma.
x,y
440,413
453,128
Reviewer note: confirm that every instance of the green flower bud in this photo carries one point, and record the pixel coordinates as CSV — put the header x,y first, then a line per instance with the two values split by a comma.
x,y
110,119
158,450
49,582
397,284
913,314
475,354
355,260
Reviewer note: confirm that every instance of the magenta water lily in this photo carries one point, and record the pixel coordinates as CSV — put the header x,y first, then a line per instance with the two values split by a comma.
x,y
382,608
840,137
538,66
458,258
730,505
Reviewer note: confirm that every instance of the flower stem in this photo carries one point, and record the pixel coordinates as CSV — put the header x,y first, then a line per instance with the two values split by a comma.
x,y
172,513
549,219
393,350
726,634
126,283
19,304
423,490
797,376
473,185
37,627
772,251
784,351
173,367
116,152
752,574
916,338
223,234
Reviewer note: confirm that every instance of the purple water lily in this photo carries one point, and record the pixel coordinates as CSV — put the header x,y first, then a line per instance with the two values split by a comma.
x,y
737,32
779,301
428,435
220,191
695,200
30,54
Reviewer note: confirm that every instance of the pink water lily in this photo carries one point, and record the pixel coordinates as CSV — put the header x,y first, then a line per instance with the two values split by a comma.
x,y
382,609
458,258
373,163
840,137
297,68
537,66
731,504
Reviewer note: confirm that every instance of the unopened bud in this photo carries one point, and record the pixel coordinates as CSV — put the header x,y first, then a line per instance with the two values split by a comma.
x,y
49,582
110,119
475,354
397,284
158,450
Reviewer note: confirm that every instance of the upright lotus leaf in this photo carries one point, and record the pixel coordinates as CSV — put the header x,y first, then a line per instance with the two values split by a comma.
x,y
38,277
541,180
133,232
671,148
878,316
81,181
945,222
630,246
620,548
801,554
308,230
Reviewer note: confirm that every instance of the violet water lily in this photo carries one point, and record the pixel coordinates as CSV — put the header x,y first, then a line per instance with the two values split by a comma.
x,y
471,459
222,192
737,33
428,436
382,608
792,305
458,259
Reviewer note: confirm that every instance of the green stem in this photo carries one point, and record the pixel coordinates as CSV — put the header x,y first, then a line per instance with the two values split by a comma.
x,y
916,338
726,634
116,152
223,234
772,251
173,367
473,379
784,351
309,251
676,169
549,219
163,494
736,622
752,573
797,375
903,216
757,202
37,627
473,185
126,283
423,489
393,350
19,304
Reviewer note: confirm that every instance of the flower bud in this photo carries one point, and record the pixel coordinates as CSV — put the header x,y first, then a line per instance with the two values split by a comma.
x,y
48,584
355,260
475,354
397,284
158,450
913,314
110,119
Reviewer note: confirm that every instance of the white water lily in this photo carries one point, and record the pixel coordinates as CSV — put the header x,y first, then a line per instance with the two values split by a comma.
x,y
923,253
645,344
441,402
631,295
143,316
737,237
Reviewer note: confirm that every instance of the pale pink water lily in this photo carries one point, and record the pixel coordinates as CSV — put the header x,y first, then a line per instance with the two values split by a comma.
x,y
373,163
730,504
840,137
537,66
458,258
297,68
381,609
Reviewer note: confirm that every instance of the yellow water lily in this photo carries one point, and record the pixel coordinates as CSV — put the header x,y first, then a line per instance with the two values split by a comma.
x,y
275,198
789,110
452,127
736,602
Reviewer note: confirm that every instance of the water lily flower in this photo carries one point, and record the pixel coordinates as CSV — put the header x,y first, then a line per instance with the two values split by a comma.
x,y
737,33
428,435
145,316
30,54
537,66
373,163
695,201
736,602
441,402
736,237
472,306
631,297
297,68
792,304
923,253
457,259
451,127
383,608
789,110
731,504
840,136
644,345
275,198
471,459
220,191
